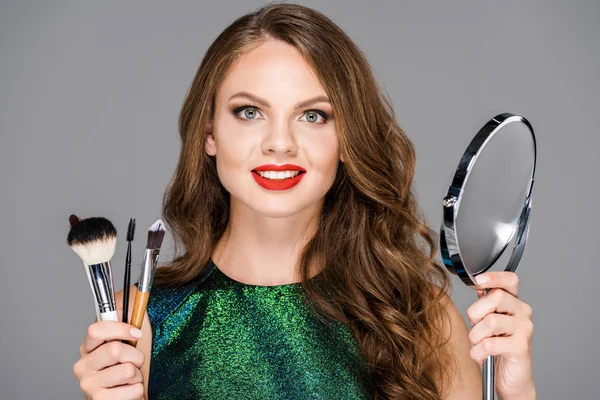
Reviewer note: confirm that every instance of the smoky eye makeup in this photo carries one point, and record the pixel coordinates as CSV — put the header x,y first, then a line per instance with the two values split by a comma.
x,y
319,112
236,111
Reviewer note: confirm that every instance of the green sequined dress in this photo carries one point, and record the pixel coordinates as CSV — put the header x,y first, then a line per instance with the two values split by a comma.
x,y
217,338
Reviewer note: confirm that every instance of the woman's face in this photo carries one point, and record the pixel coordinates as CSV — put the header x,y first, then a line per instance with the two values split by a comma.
x,y
271,111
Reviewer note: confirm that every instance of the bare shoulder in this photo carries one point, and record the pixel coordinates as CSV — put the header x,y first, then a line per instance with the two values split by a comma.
x,y
466,380
145,342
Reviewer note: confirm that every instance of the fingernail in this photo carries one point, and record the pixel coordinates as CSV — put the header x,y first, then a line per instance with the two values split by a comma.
x,y
136,333
481,279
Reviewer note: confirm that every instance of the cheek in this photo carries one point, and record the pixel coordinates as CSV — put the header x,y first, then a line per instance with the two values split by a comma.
x,y
229,157
229,171
323,154
232,146
230,166
233,157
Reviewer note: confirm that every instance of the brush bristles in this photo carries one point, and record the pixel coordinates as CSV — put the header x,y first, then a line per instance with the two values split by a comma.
x,y
156,234
93,239
73,219
96,252
131,230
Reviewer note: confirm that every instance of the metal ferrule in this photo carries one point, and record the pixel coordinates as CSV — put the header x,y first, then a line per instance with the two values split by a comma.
x,y
102,283
147,271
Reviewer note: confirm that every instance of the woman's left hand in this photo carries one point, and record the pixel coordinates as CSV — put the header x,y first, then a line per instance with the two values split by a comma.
x,y
501,326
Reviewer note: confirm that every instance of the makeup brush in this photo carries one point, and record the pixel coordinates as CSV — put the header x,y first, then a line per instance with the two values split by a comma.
x,y
127,279
156,234
73,219
95,241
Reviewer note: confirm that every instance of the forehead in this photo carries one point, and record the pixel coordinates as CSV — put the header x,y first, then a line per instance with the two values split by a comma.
x,y
273,70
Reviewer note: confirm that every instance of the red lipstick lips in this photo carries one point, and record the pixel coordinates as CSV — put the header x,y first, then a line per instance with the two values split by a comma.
x,y
278,184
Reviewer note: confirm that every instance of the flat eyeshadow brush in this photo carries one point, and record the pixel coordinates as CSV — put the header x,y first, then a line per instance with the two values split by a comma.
x,y
94,240
156,233
127,279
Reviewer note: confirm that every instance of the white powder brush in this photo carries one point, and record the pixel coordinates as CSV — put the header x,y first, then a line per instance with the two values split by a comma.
x,y
95,241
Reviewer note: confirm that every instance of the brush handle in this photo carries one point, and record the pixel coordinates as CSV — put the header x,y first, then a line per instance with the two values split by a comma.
x,y
139,310
126,282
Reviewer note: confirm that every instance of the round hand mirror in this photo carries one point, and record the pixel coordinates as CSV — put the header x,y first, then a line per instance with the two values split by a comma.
x,y
487,204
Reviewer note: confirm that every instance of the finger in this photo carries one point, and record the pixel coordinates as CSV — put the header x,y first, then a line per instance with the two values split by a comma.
x,y
499,279
126,392
113,353
516,347
116,375
479,293
495,325
104,331
496,301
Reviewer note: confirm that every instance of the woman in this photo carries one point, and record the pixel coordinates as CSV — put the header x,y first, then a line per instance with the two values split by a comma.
x,y
304,274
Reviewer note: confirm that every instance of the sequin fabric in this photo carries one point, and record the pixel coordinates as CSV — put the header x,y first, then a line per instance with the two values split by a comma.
x,y
223,339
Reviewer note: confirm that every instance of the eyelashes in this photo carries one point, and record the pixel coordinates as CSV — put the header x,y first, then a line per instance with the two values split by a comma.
x,y
236,112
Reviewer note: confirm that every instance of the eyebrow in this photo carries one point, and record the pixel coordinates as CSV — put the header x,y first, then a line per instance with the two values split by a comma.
x,y
305,103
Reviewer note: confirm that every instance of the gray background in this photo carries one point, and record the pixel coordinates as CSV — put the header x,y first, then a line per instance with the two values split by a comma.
x,y
89,98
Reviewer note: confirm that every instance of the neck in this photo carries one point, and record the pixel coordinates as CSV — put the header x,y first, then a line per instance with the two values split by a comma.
x,y
260,250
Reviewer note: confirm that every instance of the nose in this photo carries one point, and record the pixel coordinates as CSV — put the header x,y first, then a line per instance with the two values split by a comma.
x,y
279,139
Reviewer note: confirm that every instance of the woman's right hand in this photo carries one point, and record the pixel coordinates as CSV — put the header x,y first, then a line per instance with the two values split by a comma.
x,y
108,368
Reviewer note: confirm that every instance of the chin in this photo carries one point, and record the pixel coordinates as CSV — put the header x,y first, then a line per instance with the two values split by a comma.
x,y
279,208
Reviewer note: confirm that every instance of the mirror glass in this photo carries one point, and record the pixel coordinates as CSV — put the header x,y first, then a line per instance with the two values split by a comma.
x,y
489,200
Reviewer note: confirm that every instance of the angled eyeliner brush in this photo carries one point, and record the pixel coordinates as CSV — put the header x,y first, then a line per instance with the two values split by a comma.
x,y
127,279
156,233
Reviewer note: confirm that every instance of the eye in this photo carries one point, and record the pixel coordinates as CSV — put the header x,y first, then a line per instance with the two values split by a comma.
x,y
249,112
313,116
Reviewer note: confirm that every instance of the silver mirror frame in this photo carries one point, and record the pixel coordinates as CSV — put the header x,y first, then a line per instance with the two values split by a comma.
x,y
449,247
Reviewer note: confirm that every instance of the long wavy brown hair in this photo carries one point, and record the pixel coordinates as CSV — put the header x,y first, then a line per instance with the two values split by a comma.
x,y
379,275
